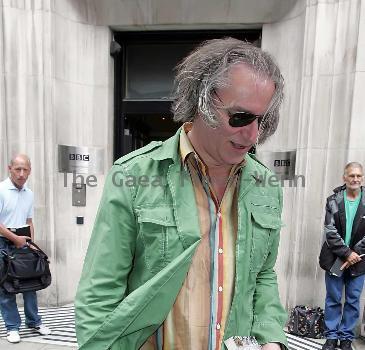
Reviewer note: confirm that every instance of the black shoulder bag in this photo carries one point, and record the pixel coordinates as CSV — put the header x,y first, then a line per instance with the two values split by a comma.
x,y
24,269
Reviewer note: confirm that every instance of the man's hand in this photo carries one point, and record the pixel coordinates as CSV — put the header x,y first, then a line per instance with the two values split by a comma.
x,y
271,346
352,259
20,241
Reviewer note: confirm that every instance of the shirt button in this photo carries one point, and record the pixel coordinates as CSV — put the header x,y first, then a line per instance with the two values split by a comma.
x,y
218,326
220,251
220,288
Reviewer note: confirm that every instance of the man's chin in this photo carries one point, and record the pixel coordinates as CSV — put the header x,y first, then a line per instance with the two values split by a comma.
x,y
354,187
236,160
19,184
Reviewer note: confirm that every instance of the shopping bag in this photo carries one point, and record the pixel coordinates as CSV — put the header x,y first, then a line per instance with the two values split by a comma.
x,y
306,322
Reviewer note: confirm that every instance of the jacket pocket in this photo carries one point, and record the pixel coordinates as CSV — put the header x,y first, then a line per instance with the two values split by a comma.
x,y
263,226
158,232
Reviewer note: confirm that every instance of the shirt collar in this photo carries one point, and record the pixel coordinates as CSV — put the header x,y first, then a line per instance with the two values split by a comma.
x,y
186,148
11,186
187,151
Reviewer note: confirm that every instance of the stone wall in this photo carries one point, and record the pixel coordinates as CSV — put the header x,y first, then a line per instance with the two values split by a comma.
x,y
56,88
318,46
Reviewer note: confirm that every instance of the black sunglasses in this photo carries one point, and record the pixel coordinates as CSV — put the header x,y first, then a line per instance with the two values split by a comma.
x,y
239,119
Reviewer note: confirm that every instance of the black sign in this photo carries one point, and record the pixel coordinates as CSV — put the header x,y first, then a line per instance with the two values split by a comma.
x,y
78,156
282,162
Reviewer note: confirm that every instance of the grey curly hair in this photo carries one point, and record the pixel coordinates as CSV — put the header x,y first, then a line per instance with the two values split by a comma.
x,y
205,70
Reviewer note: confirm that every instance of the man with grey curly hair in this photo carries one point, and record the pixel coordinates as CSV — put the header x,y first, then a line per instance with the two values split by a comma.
x,y
205,71
187,263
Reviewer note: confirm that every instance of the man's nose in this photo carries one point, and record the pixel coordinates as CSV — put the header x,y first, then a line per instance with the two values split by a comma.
x,y
249,132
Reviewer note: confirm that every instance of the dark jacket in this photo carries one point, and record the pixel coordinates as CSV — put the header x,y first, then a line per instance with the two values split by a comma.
x,y
335,230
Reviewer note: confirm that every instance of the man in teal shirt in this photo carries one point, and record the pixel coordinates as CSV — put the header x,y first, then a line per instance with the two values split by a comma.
x,y
344,234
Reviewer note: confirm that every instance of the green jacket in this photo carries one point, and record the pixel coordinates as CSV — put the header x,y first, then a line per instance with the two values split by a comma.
x,y
145,235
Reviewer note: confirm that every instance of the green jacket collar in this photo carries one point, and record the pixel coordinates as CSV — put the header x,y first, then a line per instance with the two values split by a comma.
x,y
169,150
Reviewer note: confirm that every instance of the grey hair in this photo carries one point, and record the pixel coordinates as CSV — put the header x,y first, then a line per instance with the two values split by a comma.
x,y
206,69
352,165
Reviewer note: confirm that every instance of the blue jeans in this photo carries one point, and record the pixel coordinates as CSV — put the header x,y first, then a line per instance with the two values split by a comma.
x,y
9,308
340,322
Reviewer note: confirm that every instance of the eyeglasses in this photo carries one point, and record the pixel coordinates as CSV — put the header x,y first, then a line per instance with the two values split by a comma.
x,y
239,119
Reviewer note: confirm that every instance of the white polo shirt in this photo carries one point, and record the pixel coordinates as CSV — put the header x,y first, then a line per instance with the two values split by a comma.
x,y
16,206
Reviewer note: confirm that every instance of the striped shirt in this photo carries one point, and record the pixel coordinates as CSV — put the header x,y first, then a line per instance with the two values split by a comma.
x,y
198,317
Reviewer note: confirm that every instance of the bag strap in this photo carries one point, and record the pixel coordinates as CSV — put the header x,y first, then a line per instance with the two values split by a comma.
x,y
315,319
299,313
312,320
303,321
29,241
6,255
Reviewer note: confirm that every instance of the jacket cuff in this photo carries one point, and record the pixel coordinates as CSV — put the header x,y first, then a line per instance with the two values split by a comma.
x,y
282,346
269,332
348,253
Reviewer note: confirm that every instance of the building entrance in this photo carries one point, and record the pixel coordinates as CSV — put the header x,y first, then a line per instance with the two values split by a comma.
x,y
141,129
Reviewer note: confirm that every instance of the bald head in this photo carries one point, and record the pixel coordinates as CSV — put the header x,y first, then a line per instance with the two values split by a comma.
x,y
19,170
20,157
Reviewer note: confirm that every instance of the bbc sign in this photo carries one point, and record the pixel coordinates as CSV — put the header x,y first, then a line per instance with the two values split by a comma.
x,y
78,156
281,163
81,160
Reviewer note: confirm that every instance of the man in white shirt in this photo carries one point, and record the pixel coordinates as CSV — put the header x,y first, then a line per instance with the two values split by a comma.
x,y
16,210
